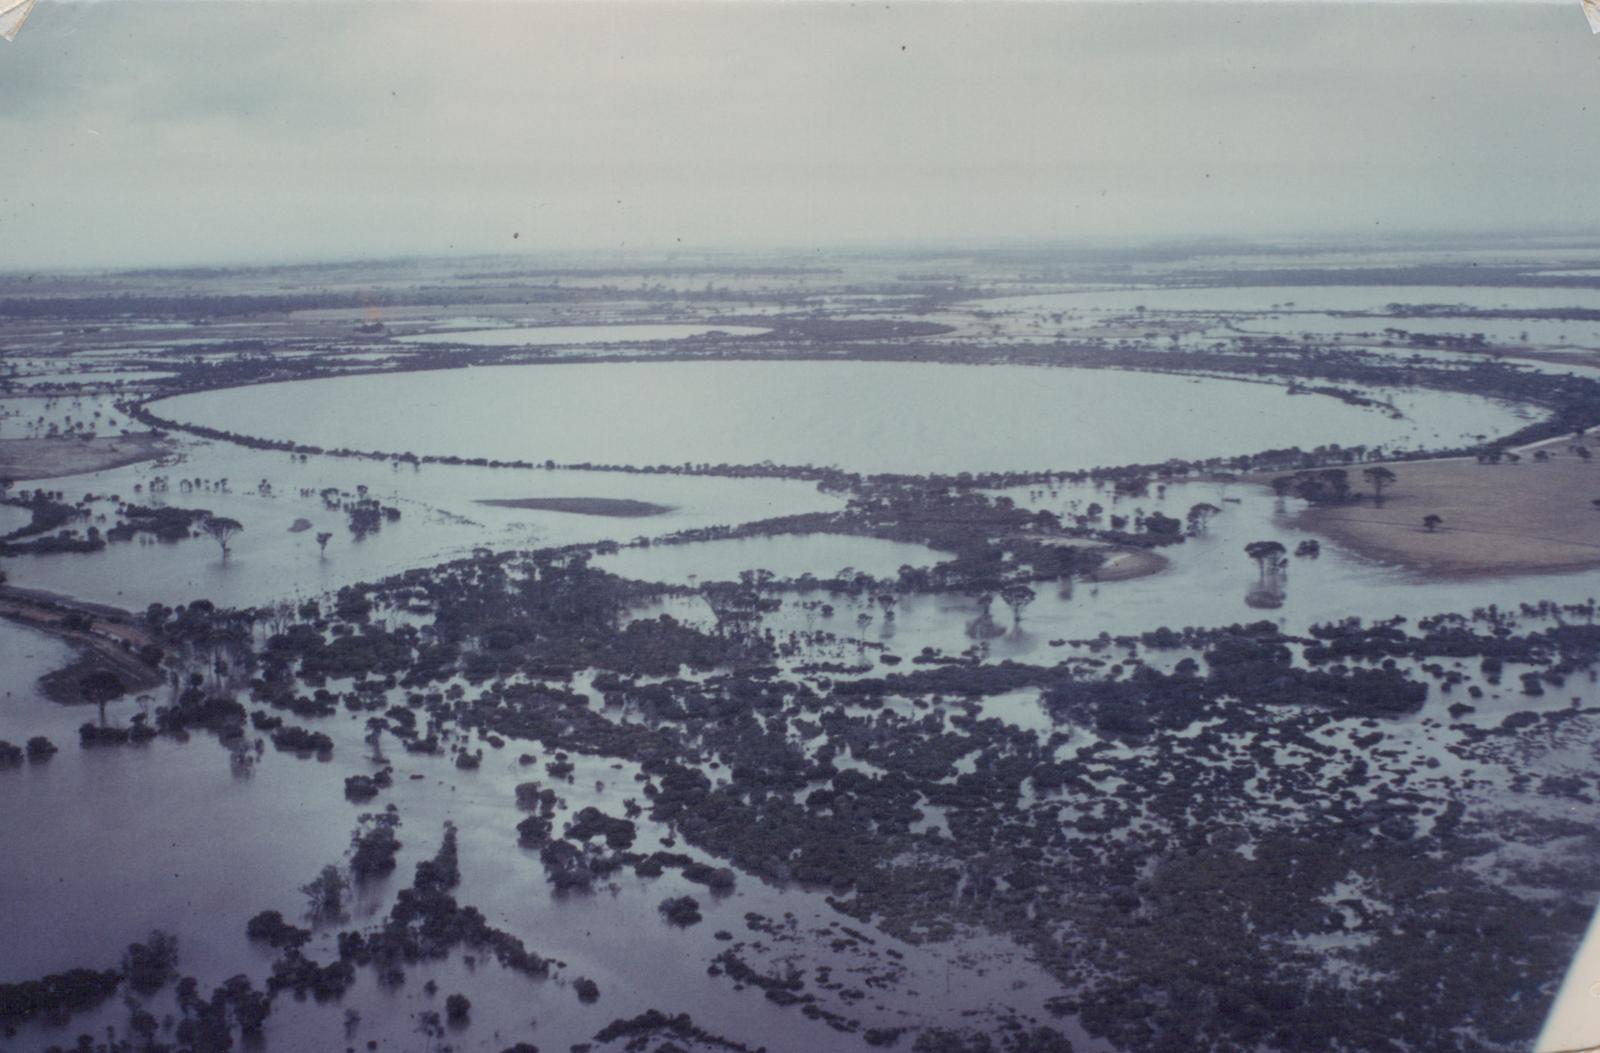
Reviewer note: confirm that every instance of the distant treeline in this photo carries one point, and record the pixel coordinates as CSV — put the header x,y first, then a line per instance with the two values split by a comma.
x,y
1438,274
100,307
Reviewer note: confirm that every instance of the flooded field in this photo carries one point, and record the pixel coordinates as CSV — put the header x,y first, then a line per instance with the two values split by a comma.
x,y
945,418
442,516
864,762
1485,332
799,528
108,798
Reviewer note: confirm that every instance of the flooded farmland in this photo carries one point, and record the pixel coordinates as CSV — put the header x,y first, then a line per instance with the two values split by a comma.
x,y
746,506
730,528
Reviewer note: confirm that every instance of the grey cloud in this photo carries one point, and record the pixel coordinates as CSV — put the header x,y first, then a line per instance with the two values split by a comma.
x,y
147,132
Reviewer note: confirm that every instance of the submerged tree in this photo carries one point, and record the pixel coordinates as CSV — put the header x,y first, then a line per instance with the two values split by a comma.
x,y
1271,559
739,606
100,687
149,965
1017,597
983,627
1199,517
325,895
221,530
1379,477
1431,522
322,542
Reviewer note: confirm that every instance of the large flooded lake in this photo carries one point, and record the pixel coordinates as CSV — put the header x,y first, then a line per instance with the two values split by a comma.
x,y
864,416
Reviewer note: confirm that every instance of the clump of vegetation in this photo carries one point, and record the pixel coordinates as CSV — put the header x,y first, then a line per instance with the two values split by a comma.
x,y
362,788
374,844
293,739
325,894
269,927
151,964
681,910
166,522
57,995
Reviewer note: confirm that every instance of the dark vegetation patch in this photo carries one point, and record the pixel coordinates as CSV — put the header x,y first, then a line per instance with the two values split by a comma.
x,y
57,995
1257,768
146,968
424,924
165,523
652,1024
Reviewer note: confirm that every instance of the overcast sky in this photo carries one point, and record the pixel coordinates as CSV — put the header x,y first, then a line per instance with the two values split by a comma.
x,y
141,132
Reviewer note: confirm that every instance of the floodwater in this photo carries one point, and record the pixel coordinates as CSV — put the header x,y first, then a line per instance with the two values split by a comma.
x,y
865,416
1495,331
1297,297
12,518
1206,583
185,837
33,415
91,377
545,335
166,820
785,555
441,518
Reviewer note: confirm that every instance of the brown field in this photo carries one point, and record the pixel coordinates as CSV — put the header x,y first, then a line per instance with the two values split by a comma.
x,y
22,459
1526,518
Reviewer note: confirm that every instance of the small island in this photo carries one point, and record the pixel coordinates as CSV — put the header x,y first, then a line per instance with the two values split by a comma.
x,y
617,507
